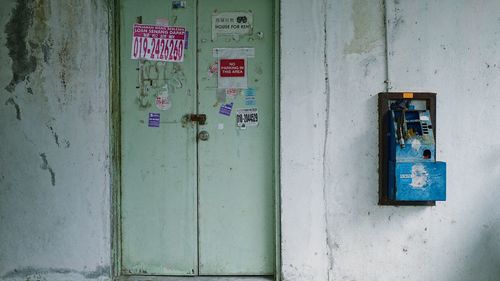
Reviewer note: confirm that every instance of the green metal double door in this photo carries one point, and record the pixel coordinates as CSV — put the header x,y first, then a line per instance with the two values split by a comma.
x,y
197,198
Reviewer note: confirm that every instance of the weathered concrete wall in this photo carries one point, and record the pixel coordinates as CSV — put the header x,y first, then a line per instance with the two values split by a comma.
x,y
332,226
54,179
304,96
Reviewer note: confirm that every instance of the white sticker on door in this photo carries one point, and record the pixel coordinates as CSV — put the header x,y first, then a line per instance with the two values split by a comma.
x,y
233,52
163,102
232,93
247,117
231,23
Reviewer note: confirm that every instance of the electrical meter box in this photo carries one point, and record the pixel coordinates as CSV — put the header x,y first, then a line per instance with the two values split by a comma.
x,y
410,174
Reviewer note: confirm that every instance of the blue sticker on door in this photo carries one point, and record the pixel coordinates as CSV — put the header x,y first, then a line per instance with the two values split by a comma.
x,y
154,120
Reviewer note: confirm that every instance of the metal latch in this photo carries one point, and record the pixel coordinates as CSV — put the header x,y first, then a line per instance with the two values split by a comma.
x,y
200,118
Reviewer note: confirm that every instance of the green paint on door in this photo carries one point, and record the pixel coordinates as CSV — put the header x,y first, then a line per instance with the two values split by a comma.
x,y
193,207
236,186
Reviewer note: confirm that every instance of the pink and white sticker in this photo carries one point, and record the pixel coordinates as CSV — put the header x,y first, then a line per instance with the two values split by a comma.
x,y
158,42
163,102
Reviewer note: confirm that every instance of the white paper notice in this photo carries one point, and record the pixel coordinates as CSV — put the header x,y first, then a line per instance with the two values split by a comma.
x,y
232,72
247,117
232,23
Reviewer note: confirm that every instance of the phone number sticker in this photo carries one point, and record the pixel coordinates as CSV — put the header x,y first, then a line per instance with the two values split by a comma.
x,y
247,117
158,42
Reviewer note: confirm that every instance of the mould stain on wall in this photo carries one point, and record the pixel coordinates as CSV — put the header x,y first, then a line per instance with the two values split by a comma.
x,y
16,29
28,43
69,57
396,21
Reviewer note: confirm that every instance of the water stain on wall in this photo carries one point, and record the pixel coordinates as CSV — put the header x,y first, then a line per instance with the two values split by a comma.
x,y
64,57
41,35
16,29
32,273
396,21
28,41
69,50
368,27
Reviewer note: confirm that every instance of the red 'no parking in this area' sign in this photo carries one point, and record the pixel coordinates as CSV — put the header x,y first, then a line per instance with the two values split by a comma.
x,y
232,68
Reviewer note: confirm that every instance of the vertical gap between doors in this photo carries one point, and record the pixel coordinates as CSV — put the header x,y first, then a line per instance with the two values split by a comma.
x,y
195,3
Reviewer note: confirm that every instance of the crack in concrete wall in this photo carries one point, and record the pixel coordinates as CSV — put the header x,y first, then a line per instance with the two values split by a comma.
x,y
326,134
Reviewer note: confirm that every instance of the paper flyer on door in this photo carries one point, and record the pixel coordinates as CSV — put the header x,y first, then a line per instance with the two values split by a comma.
x,y
231,23
246,117
232,67
158,42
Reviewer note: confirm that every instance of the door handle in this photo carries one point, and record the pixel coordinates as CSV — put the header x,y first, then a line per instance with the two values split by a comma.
x,y
203,135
